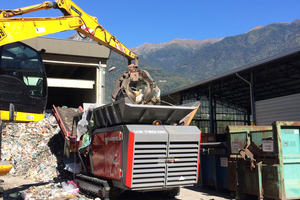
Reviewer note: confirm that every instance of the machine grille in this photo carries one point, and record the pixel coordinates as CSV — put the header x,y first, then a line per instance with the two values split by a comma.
x,y
183,163
149,164
158,164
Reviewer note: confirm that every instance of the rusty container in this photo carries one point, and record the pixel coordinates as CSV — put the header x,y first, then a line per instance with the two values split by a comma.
x,y
208,137
265,160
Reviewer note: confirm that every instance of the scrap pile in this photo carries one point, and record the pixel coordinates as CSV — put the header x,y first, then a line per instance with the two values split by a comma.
x,y
64,190
35,149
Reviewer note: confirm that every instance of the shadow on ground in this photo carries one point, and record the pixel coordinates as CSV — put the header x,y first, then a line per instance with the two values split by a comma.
x,y
210,191
14,193
129,195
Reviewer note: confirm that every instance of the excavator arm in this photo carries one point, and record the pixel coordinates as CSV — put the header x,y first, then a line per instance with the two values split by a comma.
x,y
29,98
13,29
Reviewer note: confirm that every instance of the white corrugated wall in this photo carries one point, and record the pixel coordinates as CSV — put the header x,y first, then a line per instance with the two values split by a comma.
x,y
286,108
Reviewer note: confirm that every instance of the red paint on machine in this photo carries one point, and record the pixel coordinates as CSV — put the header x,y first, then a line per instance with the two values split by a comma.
x,y
130,159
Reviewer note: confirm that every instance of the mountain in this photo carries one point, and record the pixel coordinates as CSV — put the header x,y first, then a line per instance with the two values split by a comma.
x,y
188,43
240,50
183,61
165,80
255,28
226,54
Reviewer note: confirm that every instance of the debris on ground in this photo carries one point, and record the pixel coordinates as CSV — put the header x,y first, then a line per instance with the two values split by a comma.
x,y
35,150
63,190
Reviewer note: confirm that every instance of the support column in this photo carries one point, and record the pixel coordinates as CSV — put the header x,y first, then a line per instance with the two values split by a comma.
x,y
215,115
252,96
252,99
100,87
211,109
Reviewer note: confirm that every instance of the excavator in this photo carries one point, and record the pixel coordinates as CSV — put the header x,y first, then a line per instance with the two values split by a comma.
x,y
23,78
23,81
135,143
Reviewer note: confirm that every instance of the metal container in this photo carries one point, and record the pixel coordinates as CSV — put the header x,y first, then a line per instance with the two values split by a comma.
x,y
264,160
208,167
208,137
214,165
222,168
288,142
124,112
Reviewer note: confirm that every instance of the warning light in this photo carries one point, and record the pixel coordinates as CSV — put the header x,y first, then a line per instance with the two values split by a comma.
x,y
157,122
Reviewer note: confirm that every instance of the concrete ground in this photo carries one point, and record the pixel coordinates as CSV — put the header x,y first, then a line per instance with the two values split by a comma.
x,y
195,192
13,185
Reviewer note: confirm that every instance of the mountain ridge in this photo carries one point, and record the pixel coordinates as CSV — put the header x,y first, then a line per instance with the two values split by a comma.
x,y
189,43
180,62
229,53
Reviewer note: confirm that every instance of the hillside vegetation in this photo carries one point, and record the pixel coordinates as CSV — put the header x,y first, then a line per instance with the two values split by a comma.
x,y
181,62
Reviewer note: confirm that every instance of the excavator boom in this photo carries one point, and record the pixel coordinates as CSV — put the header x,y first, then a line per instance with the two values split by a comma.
x,y
23,82
24,86
14,29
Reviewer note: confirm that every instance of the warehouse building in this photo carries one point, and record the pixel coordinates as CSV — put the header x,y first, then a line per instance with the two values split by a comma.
x,y
75,70
259,93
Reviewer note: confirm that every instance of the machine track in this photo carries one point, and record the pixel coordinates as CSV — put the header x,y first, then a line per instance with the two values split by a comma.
x,y
93,187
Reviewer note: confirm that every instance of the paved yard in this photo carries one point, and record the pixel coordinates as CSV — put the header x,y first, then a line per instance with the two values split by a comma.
x,y
196,192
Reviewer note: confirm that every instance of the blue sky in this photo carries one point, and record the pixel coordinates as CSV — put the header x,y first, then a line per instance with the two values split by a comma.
x,y
135,22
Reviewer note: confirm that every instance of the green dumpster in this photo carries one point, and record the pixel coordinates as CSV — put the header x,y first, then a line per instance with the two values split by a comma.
x,y
265,160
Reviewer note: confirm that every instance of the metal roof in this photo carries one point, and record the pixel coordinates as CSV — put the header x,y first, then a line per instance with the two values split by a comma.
x,y
275,76
69,47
